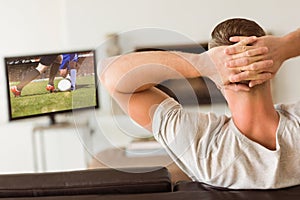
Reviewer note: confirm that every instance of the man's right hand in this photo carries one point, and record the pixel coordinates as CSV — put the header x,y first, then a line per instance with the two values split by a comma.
x,y
274,44
241,57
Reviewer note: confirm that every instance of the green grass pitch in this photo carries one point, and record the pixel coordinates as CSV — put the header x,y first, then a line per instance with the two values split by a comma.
x,y
35,99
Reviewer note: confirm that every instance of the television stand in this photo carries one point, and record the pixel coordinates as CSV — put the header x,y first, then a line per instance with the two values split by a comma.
x,y
54,122
52,119
40,143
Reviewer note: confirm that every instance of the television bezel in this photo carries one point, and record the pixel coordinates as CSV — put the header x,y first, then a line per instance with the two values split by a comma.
x,y
56,112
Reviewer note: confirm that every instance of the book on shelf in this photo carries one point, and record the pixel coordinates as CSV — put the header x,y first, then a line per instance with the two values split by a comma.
x,y
145,148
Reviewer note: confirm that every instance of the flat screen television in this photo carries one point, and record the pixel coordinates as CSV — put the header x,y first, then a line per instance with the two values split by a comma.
x,y
47,84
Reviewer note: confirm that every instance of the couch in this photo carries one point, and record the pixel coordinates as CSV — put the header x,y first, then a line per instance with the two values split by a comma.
x,y
152,183
85,182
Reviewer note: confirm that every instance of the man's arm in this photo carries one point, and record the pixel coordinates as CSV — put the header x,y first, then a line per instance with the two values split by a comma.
x,y
291,45
136,72
130,78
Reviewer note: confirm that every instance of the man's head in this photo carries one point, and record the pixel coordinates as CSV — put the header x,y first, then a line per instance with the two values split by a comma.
x,y
234,27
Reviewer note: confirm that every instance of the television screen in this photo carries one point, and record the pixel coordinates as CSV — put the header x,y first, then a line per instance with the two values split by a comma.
x,y
51,83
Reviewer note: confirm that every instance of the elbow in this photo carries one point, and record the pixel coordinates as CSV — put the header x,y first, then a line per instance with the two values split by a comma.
x,y
111,76
117,76
105,75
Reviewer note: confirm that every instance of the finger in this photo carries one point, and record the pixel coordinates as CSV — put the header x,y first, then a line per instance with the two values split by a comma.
x,y
247,40
262,76
250,51
256,82
239,62
236,38
239,47
237,87
234,49
259,66
243,61
257,51
249,76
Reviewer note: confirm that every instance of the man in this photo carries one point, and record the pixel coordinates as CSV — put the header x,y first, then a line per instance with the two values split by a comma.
x,y
68,68
252,149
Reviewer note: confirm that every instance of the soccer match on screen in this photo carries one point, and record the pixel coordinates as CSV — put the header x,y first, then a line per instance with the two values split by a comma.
x,y
51,83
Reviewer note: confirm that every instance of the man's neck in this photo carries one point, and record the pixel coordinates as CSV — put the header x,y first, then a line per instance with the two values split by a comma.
x,y
254,115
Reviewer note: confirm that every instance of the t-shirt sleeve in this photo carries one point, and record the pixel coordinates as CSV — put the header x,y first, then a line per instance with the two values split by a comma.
x,y
185,135
292,110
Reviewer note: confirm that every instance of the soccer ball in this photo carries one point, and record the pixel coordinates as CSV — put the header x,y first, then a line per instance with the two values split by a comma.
x,y
64,85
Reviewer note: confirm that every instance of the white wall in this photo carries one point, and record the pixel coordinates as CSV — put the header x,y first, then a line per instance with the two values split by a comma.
x,y
26,27
34,26
192,18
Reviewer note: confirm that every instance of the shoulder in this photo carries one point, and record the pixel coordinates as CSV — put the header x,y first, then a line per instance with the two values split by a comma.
x,y
171,119
290,110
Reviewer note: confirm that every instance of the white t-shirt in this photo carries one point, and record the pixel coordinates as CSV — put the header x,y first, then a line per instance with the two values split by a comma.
x,y
210,148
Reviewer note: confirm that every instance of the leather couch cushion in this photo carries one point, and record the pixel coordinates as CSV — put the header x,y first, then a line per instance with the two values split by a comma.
x,y
180,195
189,191
290,193
86,182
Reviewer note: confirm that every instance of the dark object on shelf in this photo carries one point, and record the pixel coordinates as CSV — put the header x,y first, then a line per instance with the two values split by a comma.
x,y
190,92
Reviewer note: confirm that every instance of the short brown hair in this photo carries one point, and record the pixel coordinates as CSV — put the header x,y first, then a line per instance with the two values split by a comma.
x,y
234,27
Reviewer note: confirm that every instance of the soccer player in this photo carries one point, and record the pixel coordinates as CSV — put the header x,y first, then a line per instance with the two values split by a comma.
x,y
52,61
68,68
